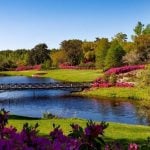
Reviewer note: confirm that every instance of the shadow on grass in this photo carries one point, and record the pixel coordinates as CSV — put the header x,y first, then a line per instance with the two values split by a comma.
x,y
17,117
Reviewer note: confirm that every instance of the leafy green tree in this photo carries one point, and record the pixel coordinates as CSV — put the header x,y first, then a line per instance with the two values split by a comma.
x,y
73,50
141,52
88,51
114,55
89,56
46,64
147,29
101,52
121,37
7,65
138,28
58,57
39,54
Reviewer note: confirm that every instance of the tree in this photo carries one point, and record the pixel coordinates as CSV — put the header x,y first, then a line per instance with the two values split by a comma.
x,y
73,50
147,29
101,52
138,28
58,57
88,52
141,52
46,64
89,56
121,37
114,55
39,54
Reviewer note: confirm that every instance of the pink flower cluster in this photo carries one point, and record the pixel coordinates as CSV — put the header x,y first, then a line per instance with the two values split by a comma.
x,y
100,82
67,66
22,67
124,69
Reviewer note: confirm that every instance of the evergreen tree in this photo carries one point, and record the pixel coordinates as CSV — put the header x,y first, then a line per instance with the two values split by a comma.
x,y
114,55
101,52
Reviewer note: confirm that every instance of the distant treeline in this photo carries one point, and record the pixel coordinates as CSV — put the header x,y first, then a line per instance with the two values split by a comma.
x,y
100,53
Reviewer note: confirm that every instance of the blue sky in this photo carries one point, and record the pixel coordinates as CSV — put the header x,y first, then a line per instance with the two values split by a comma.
x,y
25,23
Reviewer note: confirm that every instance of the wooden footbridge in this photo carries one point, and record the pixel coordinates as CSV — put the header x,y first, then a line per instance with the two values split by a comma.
x,y
55,85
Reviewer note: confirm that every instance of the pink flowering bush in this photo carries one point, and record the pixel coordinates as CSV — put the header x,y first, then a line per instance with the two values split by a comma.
x,y
103,83
124,69
35,67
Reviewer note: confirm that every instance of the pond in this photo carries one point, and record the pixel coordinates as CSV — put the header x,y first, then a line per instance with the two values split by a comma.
x,y
36,102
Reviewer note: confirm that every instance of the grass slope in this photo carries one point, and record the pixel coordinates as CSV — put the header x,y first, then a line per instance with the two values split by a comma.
x,y
115,131
115,92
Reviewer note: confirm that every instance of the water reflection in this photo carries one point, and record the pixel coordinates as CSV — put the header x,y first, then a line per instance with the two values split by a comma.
x,y
35,102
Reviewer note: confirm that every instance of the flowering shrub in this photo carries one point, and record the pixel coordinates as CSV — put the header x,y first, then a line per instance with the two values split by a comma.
x,y
66,65
35,67
88,138
79,139
124,69
101,82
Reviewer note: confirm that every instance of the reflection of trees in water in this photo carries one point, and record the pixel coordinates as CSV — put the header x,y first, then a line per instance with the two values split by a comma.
x,y
116,107
143,112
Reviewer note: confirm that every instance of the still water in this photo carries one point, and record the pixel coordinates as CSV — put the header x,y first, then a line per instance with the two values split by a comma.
x,y
36,102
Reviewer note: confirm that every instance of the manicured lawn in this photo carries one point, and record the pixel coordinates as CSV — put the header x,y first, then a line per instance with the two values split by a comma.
x,y
61,74
115,92
74,75
115,131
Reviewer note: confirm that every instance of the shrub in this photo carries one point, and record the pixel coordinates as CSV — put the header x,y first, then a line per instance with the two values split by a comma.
x,y
144,77
124,69
35,67
90,137
113,79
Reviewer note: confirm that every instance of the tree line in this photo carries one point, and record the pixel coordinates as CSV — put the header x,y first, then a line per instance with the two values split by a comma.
x,y
101,53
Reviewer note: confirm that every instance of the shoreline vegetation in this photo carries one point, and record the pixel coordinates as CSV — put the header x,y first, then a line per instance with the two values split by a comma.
x,y
71,75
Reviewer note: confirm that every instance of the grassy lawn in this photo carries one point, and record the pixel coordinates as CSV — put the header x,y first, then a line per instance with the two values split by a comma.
x,y
115,92
61,74
115,131
18,73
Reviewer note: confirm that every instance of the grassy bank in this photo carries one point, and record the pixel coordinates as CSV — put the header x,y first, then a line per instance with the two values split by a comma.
x,y
115,92
60,74
115,131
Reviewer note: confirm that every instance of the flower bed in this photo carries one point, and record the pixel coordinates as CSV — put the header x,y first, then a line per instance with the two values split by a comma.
x,y
22,68
102,83
124,69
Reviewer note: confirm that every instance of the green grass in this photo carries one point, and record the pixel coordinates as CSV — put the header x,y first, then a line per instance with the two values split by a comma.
x,y
115,131
18,73
74,75
61,74
116,92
